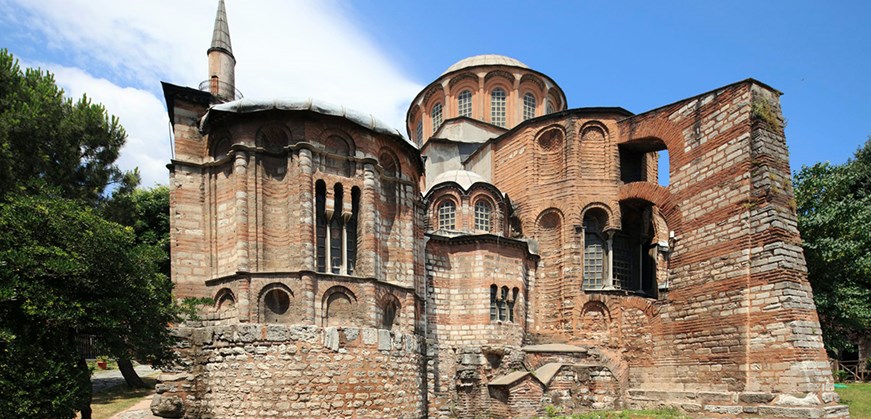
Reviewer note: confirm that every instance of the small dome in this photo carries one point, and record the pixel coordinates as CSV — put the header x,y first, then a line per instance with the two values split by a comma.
x,y
464,178
486,59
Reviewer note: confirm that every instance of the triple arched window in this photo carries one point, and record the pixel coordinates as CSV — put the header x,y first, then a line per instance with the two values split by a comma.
x,y
464,104
336,231
497,107
502,303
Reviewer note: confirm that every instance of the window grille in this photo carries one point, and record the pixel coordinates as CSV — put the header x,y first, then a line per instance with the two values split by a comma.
x,y
497,107
594,261
483,214
548,107
464,103
447,216
528,106
436,117
622,262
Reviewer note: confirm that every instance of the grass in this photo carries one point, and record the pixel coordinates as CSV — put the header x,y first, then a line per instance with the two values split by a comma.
x,y
115,399
858,397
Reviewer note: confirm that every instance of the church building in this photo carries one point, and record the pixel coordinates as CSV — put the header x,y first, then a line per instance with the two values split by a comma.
x,y
503,256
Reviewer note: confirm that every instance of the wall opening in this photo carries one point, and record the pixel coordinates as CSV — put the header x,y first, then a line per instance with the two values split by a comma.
x,y
664,168
642,160
276,302
632,166
634,249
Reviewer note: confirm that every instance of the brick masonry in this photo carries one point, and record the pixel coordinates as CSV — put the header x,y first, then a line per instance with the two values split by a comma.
x,y
495,321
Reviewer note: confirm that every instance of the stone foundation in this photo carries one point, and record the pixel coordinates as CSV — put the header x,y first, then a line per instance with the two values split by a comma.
x,y
271,371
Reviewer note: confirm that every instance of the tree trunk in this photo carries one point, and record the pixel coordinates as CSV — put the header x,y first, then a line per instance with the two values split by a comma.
x,y
85,408
130,375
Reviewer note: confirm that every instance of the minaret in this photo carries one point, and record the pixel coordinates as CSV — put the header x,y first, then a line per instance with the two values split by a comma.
x,y
222,64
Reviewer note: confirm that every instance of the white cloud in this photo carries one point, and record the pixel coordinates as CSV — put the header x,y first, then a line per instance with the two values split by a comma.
x,y
120,51
141,113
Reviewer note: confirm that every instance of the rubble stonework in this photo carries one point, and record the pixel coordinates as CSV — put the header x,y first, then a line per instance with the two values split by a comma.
x,y
511,257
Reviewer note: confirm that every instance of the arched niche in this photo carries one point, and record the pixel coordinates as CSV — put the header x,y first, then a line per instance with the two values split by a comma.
x,y
340,307
549,160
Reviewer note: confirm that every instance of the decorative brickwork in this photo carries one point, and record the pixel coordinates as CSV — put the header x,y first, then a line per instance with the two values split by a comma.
x,y
535,265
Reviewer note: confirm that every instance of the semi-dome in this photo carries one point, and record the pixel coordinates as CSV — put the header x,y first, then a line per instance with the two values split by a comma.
x,y
485,59
464,178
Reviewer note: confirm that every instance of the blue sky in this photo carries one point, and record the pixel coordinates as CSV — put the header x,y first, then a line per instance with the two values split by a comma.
x,y
375,55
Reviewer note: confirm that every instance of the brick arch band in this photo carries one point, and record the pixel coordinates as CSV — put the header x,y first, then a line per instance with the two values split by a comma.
x,y
656,195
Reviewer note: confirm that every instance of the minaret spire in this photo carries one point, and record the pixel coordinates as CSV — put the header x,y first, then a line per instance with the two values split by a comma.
x,y
221,34
222,63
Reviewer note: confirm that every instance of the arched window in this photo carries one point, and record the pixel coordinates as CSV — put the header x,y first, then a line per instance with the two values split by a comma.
x,y
351,232
595,248
447,215
336,233
436,117
528,106
483,214
548,107
514,293
494,314
503,304
464,104
321,225
497,107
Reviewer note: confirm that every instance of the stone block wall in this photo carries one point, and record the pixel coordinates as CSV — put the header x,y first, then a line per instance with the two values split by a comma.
x,y
739,315
277,371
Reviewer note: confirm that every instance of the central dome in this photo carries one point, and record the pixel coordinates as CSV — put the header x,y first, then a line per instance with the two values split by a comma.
x,y
486,59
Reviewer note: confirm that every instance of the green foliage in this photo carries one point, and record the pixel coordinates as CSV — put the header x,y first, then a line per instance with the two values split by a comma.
x,y
51,142
147,212
834,216
64,271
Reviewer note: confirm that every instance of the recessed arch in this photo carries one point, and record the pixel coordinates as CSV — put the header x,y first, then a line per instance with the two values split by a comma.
x,y
220,148
600,206
389,162
272,137
549,160
390,311
594,150
339,307
225,300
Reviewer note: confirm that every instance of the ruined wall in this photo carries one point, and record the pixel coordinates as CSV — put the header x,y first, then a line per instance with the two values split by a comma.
x,y
271,371
739,315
